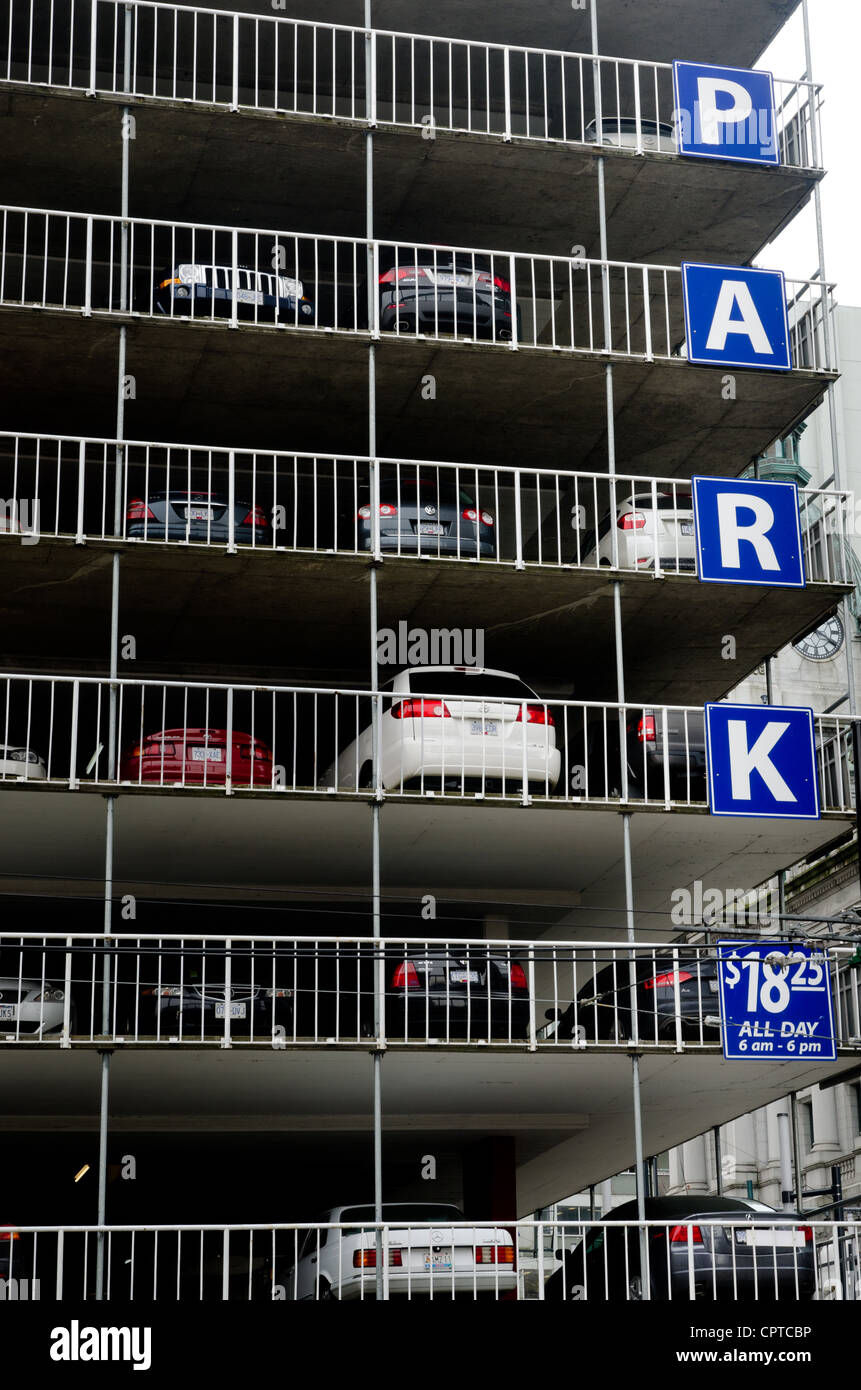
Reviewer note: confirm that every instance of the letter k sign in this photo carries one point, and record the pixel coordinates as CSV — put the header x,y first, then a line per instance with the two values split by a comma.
x,y
761,761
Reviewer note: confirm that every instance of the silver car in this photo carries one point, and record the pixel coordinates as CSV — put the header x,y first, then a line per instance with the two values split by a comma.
x,y
621,131
32,1008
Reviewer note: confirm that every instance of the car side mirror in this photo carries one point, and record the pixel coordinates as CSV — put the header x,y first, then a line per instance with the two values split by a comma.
x,y
553,1015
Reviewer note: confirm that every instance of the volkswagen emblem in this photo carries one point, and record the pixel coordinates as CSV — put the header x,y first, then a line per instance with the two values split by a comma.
x,y
430,511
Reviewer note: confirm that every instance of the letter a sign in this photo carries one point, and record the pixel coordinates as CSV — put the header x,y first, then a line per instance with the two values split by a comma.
x,y
761,761
736,317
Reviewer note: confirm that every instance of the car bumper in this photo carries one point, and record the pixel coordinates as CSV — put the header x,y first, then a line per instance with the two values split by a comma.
x,y
441,1285
25,772
473,761
435,1016
408,543
197,532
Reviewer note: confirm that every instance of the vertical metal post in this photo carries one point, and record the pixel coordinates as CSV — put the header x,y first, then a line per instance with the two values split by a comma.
x,y
797,1170
718,1162
620,674
784,1144
370,82
830,337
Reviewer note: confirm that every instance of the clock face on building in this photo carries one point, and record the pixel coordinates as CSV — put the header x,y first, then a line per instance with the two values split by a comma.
x,y
822,643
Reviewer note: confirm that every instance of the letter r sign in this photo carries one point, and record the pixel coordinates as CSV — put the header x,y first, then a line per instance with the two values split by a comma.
x,y
761,761
748,532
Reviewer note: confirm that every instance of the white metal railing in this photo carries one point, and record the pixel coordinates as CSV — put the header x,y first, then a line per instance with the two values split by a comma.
x,y
715,1251
196,495
71,989
266,63
482,740
90,264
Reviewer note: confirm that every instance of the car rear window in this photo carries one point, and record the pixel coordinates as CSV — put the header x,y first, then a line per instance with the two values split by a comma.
x,y
667,501
405,1212
426,490
480,686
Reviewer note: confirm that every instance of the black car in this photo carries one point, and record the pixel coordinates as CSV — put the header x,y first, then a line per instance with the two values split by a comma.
x,y
656,761
195,516
446,992
435,290
755,1253
195,289
197,1005
428,515
603,1007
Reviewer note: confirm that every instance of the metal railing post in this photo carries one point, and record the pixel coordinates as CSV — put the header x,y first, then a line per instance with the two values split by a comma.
x,y
507,69
231,502
94,10
234,100
518,524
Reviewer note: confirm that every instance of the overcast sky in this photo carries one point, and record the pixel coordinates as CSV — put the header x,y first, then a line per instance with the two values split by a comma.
x,y
835,36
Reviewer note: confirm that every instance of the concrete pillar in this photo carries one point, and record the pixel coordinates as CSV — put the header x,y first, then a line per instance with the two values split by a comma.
x,y
742,1165
826,1134
695,1165
606,1193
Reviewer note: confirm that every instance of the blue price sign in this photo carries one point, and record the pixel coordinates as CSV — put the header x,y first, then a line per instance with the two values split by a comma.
x,y
775,1002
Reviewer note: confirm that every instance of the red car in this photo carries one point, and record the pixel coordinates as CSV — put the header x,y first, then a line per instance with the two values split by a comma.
x,y
197,757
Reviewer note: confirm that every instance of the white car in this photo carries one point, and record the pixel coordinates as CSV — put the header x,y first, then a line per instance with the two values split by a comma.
x,y
19,762
438,1259
644,531
621,131
455,728
32,1008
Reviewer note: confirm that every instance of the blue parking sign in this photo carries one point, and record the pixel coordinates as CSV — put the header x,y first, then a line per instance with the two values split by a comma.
x,y
761,761
748,532
725,113
736,317
775,1002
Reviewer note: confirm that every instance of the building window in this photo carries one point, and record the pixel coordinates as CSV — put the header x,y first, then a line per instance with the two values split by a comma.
x,y
805,1124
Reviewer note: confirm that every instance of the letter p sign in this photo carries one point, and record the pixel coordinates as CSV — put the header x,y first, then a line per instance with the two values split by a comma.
x,y
761,761
725,113
748,532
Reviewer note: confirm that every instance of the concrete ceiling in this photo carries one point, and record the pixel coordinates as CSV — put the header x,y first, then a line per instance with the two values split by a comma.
x,y
576,1129
308,176
275,842
202,382
551,626
724,31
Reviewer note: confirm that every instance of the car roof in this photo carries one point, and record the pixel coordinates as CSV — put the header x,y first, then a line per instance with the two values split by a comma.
x,y
687,1204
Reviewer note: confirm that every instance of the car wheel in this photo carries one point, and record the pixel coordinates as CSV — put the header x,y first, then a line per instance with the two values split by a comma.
x,y
327,1294
635,1288
366,777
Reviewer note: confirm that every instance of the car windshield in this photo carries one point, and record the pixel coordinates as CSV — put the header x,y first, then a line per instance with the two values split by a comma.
x,y
481,685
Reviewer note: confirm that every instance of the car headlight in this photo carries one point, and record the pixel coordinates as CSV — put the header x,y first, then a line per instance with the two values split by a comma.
x,y
51,995
278,993
191,274
181,293
21,755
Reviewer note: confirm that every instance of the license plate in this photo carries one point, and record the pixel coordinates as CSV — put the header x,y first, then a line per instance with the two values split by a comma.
x,y
686,528
485,726
438,1261
236,1010
445,279
198,513
249,297
431,528
464,977
8,1013
771,1239
207,755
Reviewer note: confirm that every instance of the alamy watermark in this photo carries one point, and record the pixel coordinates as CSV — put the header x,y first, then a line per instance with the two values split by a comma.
x,y
436,646
741,907
21,517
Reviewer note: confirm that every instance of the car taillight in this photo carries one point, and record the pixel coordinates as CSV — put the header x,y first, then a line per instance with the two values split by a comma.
x,y
535,714
386,509
256,517
501,284
420,709
469,514
405,976
262,753
404,272
8,1235
136,751
682,1234
494,1254
367,1259
139,511
808,1234
517,976
631,521
486,518
646,729
668,980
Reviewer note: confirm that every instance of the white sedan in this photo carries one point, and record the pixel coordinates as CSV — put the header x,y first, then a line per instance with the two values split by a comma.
x,y
20,762
32,1008
455,728
649,525
434,1258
